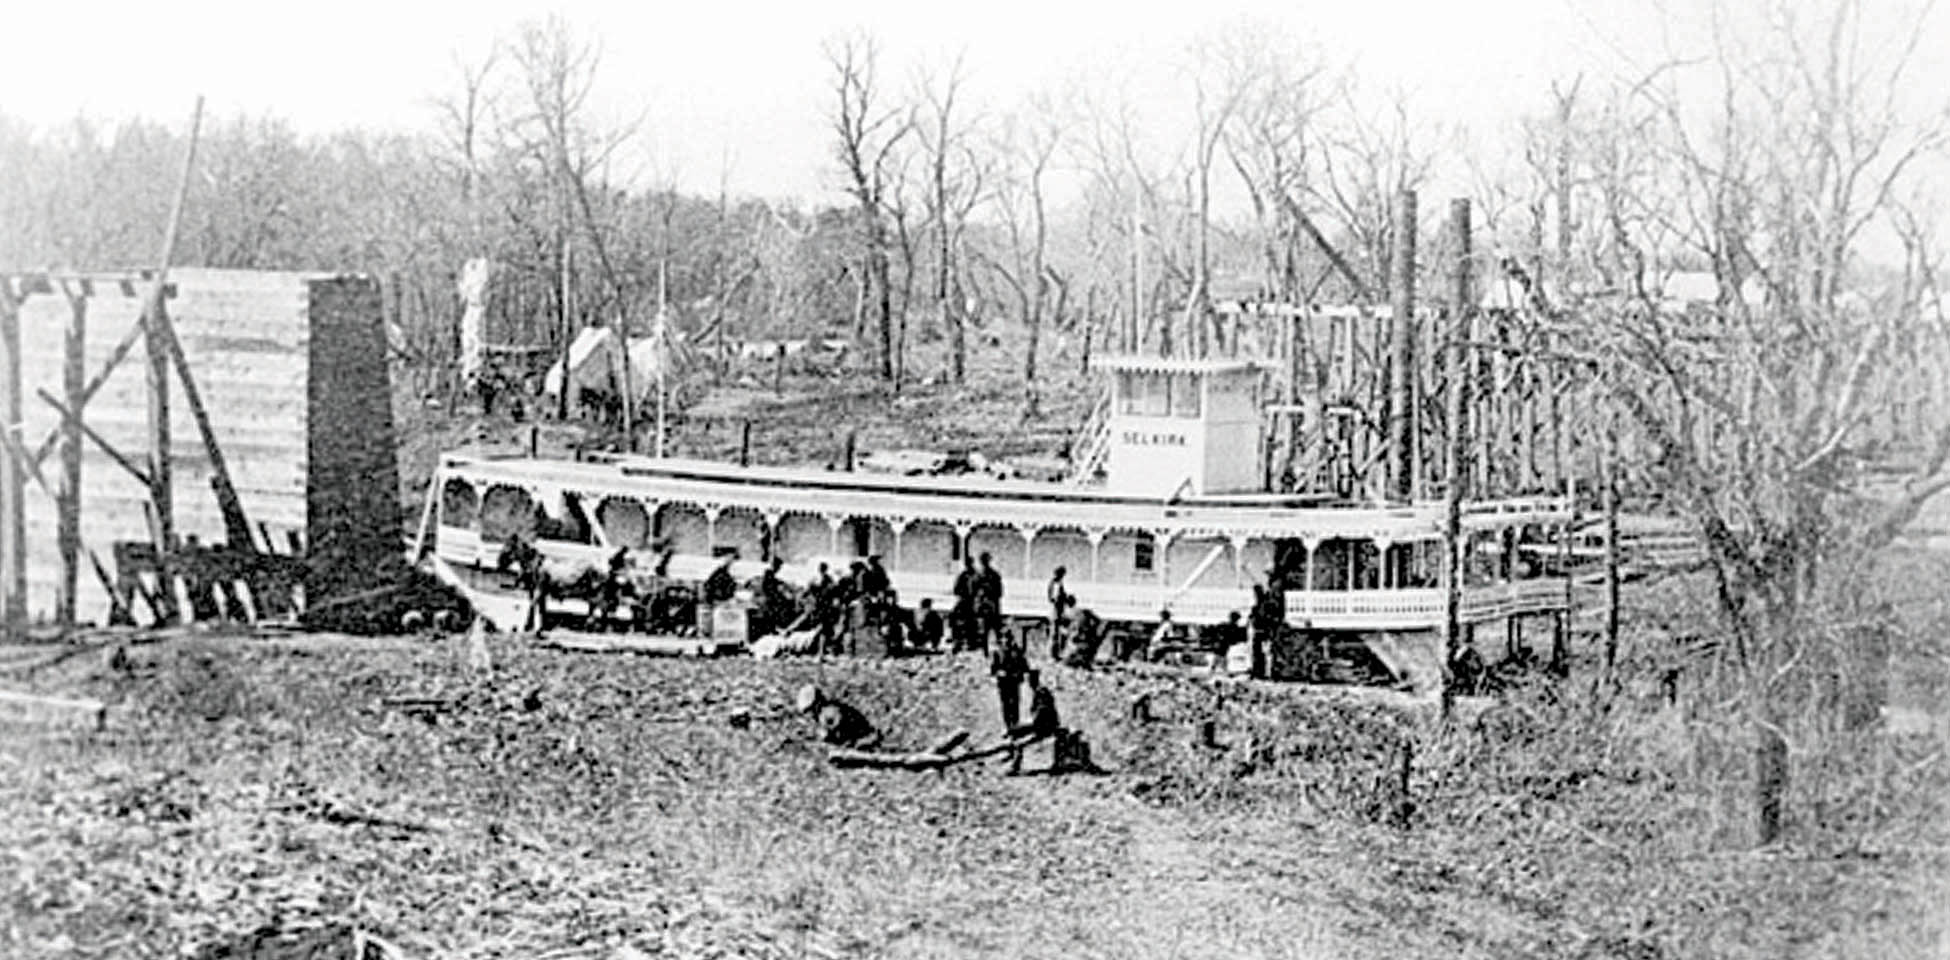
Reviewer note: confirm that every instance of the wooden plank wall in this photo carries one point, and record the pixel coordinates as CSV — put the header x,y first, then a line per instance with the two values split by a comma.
x,y
247,338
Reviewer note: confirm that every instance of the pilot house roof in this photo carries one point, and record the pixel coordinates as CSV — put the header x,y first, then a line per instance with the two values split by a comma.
x,y
1143,364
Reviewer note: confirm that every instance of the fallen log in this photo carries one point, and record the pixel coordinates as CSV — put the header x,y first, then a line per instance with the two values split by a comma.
x,y
848,759
339,815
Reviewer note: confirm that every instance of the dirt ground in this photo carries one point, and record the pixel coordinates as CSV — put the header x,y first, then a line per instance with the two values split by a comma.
x,y
248,789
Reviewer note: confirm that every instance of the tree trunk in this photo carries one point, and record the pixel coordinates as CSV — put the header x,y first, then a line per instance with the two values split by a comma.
x,y
884,305
958,335
1032,317
1609,477
1770,782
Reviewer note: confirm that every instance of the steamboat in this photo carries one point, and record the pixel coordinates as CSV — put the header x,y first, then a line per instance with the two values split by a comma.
x,y
1169,511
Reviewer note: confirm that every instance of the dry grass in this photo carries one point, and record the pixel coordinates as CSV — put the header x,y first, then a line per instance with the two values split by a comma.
x,y
626,811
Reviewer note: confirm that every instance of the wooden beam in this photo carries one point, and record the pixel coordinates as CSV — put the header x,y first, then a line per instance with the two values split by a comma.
x,y
68,503
237,528
13,487
115,356
13,451
1401,370
1333,256
154,323
1454,466
69,416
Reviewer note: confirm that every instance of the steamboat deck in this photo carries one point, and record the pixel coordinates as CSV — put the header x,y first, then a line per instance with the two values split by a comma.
x,y
1347,567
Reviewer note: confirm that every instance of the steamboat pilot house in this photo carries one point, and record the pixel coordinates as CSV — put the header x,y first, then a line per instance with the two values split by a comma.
x,y
1181,521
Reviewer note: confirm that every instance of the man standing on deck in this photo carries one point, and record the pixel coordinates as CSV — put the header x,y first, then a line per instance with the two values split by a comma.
x,y
988,600
878,590
874,580
968,587
821,591
773,602
1269,615
1060,601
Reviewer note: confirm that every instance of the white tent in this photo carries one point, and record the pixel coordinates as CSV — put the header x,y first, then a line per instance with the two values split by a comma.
x,y
597,364
590,358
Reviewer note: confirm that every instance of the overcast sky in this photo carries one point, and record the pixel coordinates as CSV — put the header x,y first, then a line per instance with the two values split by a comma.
x,y
743,85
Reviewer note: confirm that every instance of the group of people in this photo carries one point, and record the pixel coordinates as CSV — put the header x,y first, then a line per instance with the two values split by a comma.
x,y
977,616
843,725
839,609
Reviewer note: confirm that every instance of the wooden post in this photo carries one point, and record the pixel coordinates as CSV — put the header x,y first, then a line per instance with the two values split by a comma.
x,y
157,371
745,444
1401,370
74,380
13,487
1561,635
1456,463
156,345
237,527
1609,477
567,331
629,375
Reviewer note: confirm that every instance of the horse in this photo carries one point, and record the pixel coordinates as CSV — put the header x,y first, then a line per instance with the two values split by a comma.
x,y
547,578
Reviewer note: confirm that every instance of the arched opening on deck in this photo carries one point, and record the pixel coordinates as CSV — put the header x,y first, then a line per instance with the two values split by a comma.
x,y
1128,556
741,532
1199,561
884,540
460,505
1482,560
687,529
1061,547
507,512
803,538
625,522
1002,544
929,546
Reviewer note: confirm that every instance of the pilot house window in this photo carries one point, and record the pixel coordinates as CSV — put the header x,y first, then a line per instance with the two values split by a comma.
x,y
1159,395
1184,395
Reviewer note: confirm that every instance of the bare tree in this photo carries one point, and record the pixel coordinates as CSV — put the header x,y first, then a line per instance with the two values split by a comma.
x,y
1367,158
866,137
1220,82
1771,411
463,118
559,72
1268,143
956,174
1028,142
